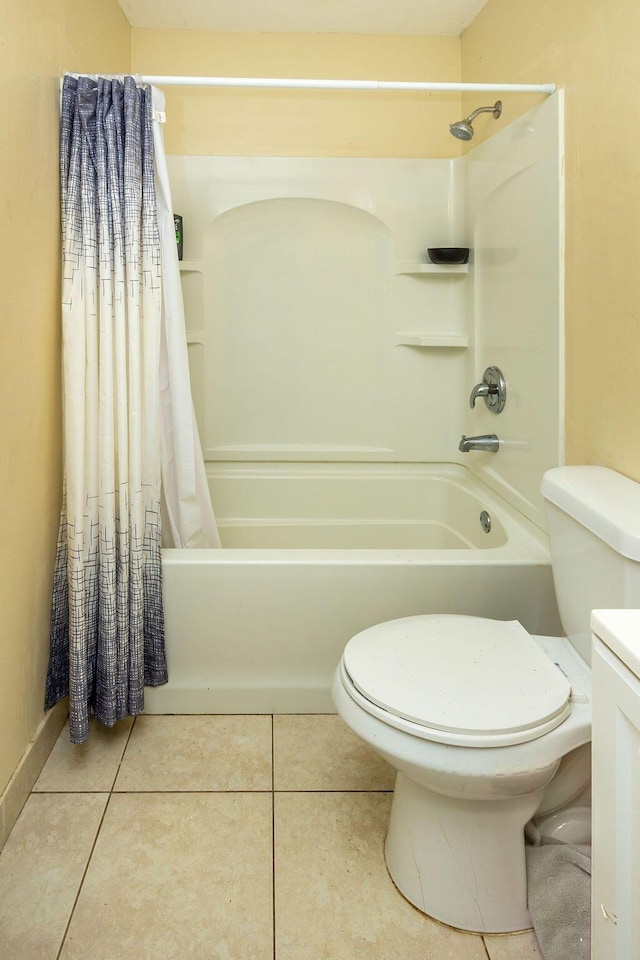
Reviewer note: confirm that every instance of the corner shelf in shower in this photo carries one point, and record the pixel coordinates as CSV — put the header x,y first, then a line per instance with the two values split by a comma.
x,y
433,340
431,269
190,266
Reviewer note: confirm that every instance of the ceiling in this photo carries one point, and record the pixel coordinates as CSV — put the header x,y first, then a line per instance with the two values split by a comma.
x,y
435,17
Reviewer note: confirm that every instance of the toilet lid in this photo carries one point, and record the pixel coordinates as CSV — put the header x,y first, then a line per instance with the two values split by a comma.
x,y
465,675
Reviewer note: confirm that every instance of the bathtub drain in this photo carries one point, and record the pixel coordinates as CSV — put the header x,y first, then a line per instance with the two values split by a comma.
x,y
485,521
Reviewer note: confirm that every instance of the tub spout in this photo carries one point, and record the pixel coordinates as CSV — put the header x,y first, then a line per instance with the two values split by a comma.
x,y
488,442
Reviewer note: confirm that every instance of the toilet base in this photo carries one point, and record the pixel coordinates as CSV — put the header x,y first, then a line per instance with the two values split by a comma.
x,y
570,825
461,861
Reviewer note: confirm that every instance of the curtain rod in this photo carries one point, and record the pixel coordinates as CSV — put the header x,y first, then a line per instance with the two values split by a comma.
x,y
308,84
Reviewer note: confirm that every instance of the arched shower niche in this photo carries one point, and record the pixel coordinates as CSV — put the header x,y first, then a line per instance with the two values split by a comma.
x,y
317,330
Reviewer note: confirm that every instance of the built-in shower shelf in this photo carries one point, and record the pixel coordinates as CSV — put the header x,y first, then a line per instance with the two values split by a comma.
x,y
432,269
450,340
190,266
196,336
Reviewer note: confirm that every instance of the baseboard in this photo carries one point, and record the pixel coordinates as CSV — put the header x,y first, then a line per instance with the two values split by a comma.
x,y
28,770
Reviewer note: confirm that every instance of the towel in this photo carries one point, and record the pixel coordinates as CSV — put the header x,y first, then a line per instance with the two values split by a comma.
x,y
559,891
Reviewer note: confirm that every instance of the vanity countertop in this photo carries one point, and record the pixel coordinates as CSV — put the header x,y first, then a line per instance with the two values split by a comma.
x,y
620,631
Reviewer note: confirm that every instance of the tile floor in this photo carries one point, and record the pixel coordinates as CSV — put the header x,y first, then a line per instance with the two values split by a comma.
x,y
216,838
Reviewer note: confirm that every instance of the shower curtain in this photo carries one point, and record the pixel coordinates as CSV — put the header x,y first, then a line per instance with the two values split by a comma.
x,y
187,515
107,623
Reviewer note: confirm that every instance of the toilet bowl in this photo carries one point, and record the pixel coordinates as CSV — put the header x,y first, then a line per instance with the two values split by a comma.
x,y
487,725
473,767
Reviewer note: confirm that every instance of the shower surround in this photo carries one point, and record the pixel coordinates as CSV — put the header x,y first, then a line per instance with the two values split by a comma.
x,y
331,368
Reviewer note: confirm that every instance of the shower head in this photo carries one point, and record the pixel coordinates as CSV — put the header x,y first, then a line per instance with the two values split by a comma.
x,y
463,129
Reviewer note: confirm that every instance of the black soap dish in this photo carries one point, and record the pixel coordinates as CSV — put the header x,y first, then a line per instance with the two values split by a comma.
x,y
448,254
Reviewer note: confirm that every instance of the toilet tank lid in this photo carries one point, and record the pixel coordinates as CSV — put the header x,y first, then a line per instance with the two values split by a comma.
x,y
603,501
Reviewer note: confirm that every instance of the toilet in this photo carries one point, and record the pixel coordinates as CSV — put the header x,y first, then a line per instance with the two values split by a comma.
x,y
487,726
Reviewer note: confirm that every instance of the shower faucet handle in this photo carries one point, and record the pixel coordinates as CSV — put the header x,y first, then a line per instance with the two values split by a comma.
x,y
480,390
493,390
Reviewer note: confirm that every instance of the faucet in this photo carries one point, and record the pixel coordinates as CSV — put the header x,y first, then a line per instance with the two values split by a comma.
x,y
493,390
481,390
488,442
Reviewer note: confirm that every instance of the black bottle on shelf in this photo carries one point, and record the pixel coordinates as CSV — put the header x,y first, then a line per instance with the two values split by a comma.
x,y
177,222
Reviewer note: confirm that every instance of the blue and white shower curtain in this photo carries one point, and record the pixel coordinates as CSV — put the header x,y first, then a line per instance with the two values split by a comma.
x,y
107,630
133,461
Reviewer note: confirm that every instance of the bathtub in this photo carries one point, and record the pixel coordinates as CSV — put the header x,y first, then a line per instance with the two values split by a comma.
x,y
314,553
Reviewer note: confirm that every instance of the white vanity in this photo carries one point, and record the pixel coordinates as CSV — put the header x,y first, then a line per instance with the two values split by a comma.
x,y
615,911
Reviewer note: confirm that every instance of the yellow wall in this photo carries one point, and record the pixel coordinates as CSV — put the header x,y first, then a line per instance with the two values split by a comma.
x,y
40,40
303,123
591,49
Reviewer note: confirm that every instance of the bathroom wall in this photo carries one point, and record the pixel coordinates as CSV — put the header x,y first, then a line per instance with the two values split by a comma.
x,y
228,122
590,49
39,41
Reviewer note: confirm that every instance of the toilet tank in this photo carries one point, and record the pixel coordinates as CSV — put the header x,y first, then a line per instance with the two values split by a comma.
x,y
593,517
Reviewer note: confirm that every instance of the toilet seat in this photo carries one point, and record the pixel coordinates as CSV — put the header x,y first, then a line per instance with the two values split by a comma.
x,y
457,680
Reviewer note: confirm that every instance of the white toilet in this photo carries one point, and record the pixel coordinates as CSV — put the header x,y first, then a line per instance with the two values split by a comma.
x,y
487,725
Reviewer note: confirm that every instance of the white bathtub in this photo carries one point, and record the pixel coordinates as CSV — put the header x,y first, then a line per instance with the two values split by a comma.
x,y
313,554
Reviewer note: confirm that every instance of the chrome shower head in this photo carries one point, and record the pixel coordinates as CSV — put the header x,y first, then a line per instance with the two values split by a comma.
x,y
463,130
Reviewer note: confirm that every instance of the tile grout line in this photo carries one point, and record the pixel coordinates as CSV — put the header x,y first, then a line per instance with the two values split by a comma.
x,y
93,846
273,837
486,948
82,879
183,791
121,759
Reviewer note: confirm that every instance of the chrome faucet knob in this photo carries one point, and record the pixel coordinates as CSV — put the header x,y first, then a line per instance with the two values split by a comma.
x,y
493,389
480,390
